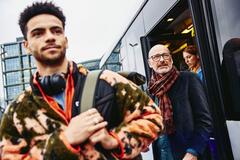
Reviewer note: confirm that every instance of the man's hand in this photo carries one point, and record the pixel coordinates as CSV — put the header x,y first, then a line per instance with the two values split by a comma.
x,y
83,126
11,151
189,156
104,138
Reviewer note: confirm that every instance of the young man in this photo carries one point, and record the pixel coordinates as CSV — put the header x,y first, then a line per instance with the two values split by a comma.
x,y
192,60
45,122
181,99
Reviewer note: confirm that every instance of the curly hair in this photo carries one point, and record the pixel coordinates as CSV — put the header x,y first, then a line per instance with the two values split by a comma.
x,y
38,8
191,50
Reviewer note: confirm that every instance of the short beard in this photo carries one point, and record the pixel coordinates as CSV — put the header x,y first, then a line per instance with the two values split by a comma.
x,y
52,62
164,71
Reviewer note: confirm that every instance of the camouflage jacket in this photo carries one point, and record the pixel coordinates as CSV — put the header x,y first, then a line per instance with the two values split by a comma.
x,y
33,124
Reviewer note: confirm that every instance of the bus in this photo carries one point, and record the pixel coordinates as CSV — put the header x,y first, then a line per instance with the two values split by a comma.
x,y
208,24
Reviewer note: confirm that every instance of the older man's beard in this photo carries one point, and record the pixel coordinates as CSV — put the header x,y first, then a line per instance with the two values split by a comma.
x,y
164,70
51,61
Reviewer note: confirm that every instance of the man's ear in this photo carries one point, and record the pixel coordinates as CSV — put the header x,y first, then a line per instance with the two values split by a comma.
x,y
66,42
171,60
26,46
150,64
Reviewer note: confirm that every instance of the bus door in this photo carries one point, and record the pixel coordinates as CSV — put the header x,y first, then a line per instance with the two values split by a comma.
x,y
183,25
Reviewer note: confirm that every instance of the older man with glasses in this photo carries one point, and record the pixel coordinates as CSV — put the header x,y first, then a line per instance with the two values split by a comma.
x,y
183,104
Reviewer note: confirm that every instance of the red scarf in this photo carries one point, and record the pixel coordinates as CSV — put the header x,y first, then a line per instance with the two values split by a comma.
x,y
158,86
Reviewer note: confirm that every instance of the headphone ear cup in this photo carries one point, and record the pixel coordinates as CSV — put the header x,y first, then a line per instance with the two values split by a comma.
x,y
44,81
45,84
53,84
57,83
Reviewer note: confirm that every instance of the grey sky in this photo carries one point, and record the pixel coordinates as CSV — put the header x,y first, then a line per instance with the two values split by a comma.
x,y
92,26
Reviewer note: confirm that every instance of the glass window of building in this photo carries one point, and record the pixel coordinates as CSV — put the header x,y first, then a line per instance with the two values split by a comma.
x,y
23,49
114,57
91,64
13,78
32,61
17,67
26,76
11,50
13,91
12,64
34,70
113,67
25,60
26,86
113,61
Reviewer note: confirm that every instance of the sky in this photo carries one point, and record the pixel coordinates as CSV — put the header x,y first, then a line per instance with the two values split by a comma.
x,y
92,26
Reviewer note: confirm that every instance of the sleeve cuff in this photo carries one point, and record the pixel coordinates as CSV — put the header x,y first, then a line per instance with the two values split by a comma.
x,y
192,151
69,146
119,153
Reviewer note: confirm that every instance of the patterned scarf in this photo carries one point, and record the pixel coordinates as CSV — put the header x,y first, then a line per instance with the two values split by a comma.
x,y
158,86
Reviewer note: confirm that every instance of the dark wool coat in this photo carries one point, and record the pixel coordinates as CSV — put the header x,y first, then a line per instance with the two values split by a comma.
x,y
191,116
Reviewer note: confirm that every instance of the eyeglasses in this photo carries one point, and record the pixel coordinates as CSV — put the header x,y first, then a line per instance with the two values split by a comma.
x,y
157,57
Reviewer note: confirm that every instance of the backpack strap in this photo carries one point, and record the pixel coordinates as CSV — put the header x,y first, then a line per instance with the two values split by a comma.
x,y
87,98
88,93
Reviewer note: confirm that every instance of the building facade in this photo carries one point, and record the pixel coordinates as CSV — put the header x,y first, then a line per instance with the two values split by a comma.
x,y
91,64
17,67
114,61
